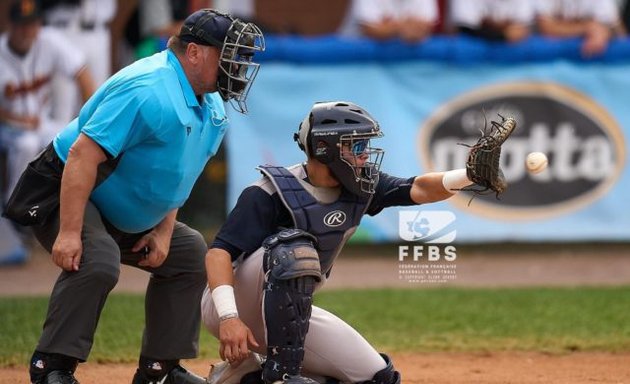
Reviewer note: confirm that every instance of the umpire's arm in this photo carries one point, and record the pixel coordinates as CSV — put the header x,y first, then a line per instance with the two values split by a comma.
x,y
77,182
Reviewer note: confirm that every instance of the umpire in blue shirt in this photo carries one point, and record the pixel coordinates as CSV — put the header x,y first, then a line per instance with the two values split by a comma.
x,y
128,162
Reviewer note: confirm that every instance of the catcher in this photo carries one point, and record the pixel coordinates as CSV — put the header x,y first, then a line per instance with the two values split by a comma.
x,y
284,235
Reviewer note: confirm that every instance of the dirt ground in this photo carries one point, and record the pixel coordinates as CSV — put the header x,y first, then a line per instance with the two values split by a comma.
x,y
435,368
476,266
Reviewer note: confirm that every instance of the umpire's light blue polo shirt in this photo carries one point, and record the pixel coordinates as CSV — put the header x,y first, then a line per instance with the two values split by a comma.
x,y
149,116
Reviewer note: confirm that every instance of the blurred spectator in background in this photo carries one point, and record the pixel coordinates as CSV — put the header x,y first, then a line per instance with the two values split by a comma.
x,y
243,9
85,23
495,20
162,18
4,15
247,10
120,52
625,16
148,24
29,58
596,21
409,20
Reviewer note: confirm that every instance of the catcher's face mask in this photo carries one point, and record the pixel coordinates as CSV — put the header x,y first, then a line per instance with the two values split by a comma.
x,y
364,160
339,134
238,42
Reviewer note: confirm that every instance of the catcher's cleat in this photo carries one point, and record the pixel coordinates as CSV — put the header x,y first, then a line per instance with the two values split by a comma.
x,y
225,373
58,377
177,375
288,379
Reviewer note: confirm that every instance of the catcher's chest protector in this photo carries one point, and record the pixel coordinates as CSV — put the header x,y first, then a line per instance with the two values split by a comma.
x,y
332,224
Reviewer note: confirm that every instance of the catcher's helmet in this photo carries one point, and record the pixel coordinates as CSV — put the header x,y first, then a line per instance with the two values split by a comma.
x,y
338,134
238,42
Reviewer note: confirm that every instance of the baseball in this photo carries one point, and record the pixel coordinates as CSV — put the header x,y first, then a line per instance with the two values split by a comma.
x,y
536,162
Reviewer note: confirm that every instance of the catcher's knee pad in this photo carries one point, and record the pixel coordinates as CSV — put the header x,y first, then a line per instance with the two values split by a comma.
x,y
292,269
387,375
290,254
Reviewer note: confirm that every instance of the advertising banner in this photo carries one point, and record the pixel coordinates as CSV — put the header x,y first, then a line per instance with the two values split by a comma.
x,y
575,113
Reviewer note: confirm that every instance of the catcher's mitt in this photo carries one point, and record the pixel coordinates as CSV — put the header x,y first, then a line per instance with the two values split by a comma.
x,y
482,166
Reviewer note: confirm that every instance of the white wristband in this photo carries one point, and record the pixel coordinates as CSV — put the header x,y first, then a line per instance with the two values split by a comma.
x,y
224,302
455,180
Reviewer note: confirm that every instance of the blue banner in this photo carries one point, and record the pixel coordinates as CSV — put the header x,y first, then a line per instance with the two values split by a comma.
x,y
575,113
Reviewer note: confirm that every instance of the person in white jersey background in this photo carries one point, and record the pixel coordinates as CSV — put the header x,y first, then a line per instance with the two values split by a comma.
x,y
409,20
30,56
597,22
493,20
85,24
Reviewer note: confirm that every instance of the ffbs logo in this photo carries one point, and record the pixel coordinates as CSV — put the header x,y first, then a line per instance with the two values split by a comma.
x,y
433,227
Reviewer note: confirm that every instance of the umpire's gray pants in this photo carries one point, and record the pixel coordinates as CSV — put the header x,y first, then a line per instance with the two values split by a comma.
x,y
172,310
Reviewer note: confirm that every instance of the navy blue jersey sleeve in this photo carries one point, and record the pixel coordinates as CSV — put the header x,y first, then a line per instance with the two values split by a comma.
x,y
256,216
248,224
391,191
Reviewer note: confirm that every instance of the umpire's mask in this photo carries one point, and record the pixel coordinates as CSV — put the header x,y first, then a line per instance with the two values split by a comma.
x,y
238,42
339,135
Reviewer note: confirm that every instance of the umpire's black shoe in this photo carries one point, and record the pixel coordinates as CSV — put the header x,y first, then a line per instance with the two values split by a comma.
x,y
177,375
58,377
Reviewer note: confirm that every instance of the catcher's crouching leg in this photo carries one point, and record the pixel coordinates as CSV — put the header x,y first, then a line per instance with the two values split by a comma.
x,y
293,271
387,375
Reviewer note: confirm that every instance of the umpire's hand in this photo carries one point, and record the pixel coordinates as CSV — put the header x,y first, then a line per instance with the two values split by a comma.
x,y
235,337
158,245
67,250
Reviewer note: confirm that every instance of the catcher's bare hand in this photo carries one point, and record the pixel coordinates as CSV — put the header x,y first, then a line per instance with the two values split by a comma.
x,y
67,250
235,338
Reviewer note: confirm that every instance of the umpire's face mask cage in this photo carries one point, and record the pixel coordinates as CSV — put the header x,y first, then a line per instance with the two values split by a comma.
x,y
237,69
238,42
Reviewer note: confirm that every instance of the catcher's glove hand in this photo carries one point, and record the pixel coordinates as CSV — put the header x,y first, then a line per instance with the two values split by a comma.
x,y
482,166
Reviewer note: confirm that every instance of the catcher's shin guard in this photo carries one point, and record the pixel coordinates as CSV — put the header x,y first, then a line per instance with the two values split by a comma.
x,y
387,375
292,272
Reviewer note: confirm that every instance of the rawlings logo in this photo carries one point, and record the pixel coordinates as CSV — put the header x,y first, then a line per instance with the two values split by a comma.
x,y
335,218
